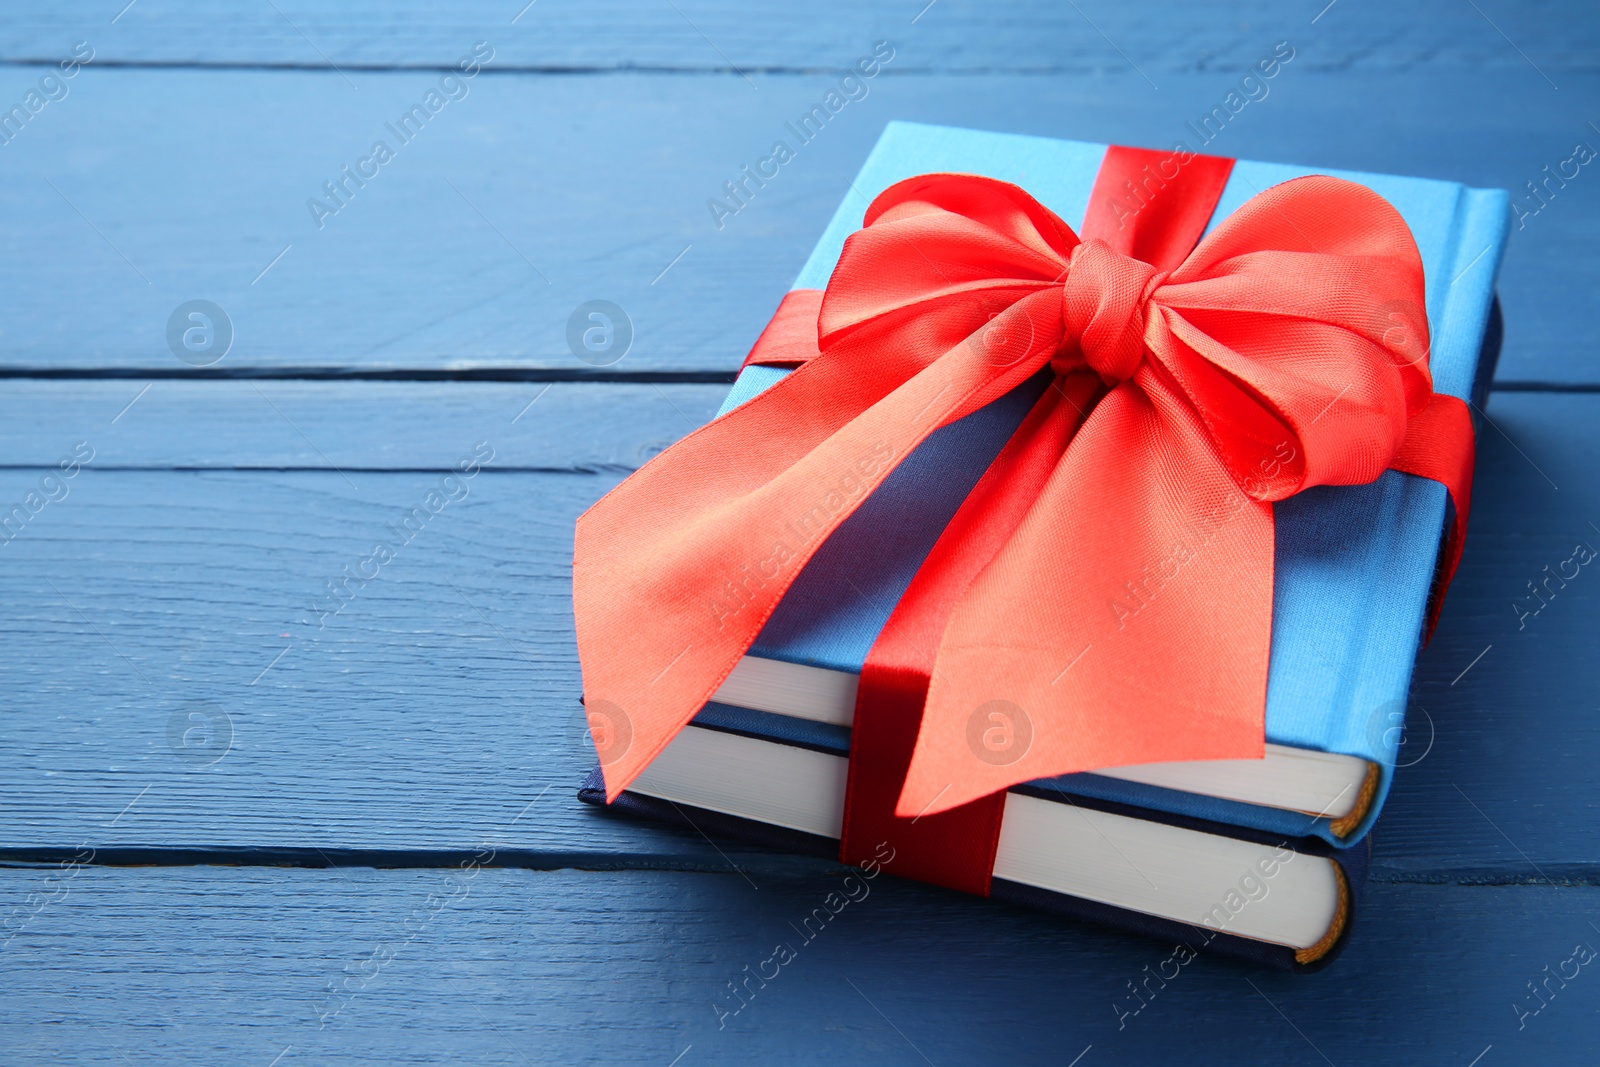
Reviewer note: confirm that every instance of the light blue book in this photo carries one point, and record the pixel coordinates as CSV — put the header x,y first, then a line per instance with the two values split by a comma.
x,y
1355,564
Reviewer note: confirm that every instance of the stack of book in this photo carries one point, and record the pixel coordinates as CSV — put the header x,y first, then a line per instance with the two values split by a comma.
x,y
1261,858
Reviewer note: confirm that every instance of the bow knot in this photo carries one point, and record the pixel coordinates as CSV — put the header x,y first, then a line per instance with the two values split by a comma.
x,y
1119,602
1103,307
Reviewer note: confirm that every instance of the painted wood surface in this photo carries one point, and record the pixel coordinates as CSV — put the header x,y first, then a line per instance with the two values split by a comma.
x,y
532,194
184,693
424,707
702,35
366,426
1505,704
242,965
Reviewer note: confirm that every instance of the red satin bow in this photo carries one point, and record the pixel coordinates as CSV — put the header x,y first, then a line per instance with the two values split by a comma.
x,y
1127,618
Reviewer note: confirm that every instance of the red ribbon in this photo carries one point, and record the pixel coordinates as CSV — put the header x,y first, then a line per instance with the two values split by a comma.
x,y
1104,595
956,848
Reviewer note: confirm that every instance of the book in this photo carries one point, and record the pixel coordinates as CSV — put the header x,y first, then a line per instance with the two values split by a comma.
x,y
1280,902
1325,785
1355,567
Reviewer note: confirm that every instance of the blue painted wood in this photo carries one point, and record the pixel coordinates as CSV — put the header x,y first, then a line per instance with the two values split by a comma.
x,y
698,35
475,245
441,698
220,965
559,426
1507,694
447,684
434,713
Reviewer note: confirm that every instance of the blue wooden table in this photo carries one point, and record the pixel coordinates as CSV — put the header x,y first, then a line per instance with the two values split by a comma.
x,y
256,811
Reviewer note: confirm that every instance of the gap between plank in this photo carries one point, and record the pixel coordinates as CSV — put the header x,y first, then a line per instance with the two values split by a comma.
x,y
534,375
580,69
1583,874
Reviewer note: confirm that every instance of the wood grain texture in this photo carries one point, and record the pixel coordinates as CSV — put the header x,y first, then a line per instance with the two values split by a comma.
x,y
1512,733
180,690
474,246
699,35
265,425
427,712
447,684
214,965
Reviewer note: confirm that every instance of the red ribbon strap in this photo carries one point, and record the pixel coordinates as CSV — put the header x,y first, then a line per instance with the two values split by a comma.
x,y
956,848
1126,617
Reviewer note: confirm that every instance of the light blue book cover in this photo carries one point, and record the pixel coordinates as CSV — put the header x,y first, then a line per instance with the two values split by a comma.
x,y
1355,564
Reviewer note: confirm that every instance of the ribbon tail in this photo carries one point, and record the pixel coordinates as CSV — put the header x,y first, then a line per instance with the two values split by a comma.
x,y
1127,621
677,569
1440,445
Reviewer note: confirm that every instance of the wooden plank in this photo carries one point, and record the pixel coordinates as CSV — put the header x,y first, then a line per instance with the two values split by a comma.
x,y
478,242
347,426
1507,693
447,684
720,35
220,965
429,709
